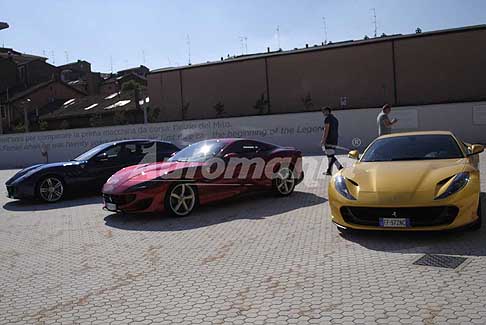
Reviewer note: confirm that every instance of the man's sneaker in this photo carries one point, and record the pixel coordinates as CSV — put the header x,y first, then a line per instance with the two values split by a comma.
x,y
328,173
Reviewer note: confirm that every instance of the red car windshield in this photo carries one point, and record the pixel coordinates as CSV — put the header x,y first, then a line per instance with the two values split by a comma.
x,y
200,151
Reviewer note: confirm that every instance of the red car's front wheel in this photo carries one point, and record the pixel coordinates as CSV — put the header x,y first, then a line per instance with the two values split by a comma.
x,y
181,199
284,181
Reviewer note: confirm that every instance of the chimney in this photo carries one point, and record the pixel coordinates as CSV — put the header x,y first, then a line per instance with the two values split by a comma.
x,y
306,46
268,49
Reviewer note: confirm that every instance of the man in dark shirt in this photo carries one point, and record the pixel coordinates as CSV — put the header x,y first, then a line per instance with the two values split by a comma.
x,y
329,139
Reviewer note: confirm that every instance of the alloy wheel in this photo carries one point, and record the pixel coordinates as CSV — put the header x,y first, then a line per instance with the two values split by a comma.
x,y
182,199
51,189
285,181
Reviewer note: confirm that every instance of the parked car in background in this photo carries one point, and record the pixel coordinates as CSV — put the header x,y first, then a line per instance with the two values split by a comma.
x,y
204,172
409,181
88,172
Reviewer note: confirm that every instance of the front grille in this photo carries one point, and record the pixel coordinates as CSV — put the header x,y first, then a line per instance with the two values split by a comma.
x,y
119,199
419,216
141,205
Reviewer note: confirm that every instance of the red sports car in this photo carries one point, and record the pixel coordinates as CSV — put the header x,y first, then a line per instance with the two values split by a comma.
x,y
204,172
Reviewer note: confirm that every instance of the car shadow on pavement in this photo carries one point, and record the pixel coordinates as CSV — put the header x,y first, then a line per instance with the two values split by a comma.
x,y
32,205
250,206
461,242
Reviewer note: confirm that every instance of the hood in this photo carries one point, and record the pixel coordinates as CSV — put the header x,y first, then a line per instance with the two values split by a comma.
x,y
41,167
133,175
400,181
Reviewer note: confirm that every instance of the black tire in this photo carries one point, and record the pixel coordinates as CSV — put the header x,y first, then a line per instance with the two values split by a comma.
x,y
177,207
477,224
284,181
50,189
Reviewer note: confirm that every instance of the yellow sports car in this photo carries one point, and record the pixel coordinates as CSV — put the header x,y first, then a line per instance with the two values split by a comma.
x,y
409,181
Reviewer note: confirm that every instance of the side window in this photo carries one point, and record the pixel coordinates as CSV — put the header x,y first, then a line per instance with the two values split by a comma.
x,y
166,147
111,153
130,148
244,147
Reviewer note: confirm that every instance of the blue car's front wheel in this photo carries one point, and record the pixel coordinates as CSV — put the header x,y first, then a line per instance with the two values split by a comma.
x,y
50,189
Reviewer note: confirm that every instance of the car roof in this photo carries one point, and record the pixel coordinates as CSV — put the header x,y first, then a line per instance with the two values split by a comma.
x,y
136,140
233,140
403,134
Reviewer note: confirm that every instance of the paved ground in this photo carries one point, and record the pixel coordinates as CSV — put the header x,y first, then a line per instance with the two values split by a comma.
x,y
260,260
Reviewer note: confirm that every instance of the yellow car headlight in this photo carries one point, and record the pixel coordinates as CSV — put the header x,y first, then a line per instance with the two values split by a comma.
x,y
342,188
457,184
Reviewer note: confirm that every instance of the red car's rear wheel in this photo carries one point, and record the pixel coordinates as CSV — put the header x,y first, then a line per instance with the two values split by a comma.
x,y
181,199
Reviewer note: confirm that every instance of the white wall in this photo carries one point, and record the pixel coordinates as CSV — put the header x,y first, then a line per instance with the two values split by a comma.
x,y
300,130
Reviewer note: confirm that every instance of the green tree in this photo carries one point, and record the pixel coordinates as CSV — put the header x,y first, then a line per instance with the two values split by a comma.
x,y
185,109
153,114
219,108
307,101
130,85
43,125
19,127
261,105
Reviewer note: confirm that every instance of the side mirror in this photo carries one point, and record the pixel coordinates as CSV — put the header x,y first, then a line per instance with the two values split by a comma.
x,y
354,154
476,149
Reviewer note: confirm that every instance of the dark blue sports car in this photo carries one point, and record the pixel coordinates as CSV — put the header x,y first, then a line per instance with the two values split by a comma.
x,y
87,172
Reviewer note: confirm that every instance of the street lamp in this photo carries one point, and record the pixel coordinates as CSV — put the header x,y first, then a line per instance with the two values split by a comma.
x,y
26,114
142,102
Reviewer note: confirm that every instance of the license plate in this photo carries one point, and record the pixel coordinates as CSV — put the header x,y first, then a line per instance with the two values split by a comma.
x,y
395,222
110,206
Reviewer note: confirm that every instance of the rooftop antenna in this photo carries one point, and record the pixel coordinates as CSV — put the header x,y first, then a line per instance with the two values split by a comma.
x,y
244,44
67,56
278,36
168,60
325,29
188,41
111,64
53,57
374,21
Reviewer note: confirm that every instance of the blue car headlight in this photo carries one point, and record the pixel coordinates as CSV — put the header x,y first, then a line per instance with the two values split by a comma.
x,y
342,188
457,184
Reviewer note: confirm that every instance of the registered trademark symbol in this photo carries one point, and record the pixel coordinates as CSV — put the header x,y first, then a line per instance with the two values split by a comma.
x,y
356,142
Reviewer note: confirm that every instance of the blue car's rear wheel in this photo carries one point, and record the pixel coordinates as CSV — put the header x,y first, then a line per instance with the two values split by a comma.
x,y
50,189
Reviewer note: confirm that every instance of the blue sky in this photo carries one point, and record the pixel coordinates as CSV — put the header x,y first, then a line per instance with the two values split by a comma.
x,y
131,32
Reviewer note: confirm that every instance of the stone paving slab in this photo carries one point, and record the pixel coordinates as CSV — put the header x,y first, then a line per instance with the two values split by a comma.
x,y
258,260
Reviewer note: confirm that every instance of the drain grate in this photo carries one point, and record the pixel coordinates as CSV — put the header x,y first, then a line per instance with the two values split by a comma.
x,y
445,261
